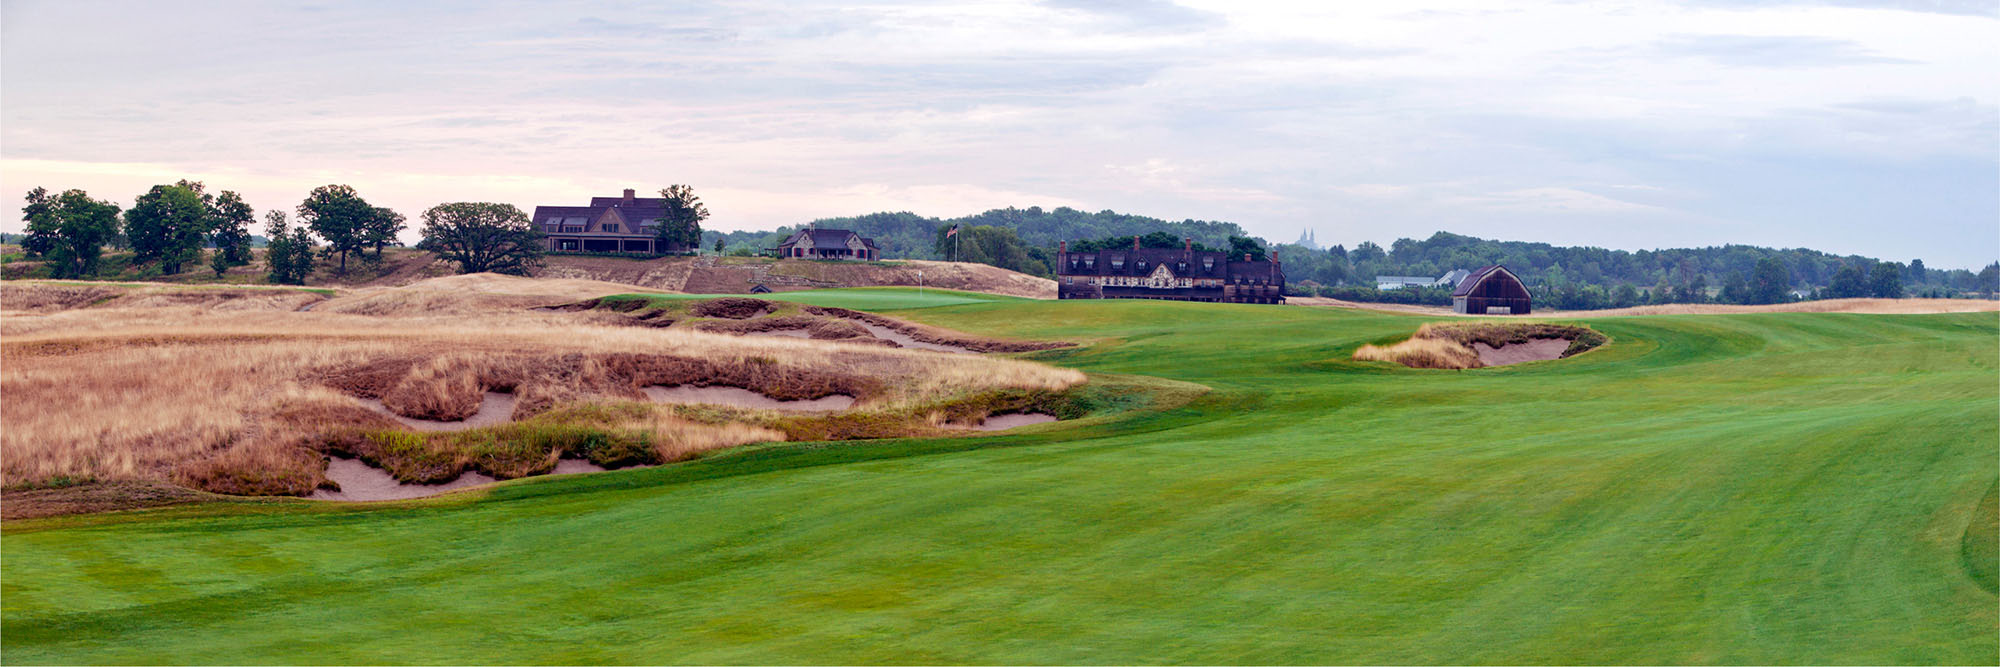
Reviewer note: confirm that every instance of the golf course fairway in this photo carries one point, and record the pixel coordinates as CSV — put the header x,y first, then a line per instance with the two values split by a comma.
x,y
1774,488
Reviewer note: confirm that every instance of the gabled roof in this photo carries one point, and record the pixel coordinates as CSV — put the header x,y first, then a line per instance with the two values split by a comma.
x,y
1478,276
643,213
822,238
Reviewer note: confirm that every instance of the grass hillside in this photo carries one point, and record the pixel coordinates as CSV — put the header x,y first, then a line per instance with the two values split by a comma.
x,y
694,275
1771,488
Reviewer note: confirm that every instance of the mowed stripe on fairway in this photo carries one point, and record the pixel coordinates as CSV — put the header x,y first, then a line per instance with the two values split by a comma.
x,y
1778,488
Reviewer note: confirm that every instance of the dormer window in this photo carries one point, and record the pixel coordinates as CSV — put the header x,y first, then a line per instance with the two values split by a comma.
x,y
1208,263
611,227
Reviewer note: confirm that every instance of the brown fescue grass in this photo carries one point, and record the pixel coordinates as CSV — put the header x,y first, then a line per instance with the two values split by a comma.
x,y
1448,345
1421,352
227,400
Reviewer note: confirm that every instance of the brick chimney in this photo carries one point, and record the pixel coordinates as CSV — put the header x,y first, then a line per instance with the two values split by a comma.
x,y
1062,246
1135,241
628,197
1246,257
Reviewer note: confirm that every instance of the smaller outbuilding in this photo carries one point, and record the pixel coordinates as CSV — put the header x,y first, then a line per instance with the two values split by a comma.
x,y
1491,290
815,243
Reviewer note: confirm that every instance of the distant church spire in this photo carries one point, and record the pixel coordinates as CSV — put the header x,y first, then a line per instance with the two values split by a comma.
x,y
1306,240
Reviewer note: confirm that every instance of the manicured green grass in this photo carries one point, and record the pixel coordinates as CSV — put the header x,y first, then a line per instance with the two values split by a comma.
x,y
1786,488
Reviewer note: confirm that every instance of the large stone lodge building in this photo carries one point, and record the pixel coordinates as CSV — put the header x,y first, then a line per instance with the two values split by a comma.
x,y
1173,274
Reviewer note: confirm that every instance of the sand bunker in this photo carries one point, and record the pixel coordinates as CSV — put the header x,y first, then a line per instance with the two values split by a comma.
x,y
900,338
1539,349
1004,422
362,482
782,333
744,398
495,409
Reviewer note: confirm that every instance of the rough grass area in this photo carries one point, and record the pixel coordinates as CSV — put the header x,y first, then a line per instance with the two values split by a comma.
x,y
240,402
742,315
1449,345
1793,488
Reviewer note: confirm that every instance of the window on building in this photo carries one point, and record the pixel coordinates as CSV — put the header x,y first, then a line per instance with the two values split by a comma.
x,y
611,227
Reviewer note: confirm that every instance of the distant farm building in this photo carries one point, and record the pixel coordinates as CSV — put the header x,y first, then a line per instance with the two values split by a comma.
x,y
1491,290
815,243
624,224
1169,274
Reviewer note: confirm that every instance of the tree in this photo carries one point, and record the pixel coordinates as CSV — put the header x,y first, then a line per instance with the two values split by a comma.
x,y
1988,280
231,236
482,236
1244,245
1734,289
996,246
381,229
1697,291
1770,281
1885,281
1626,296
341,217
1918,274
168,224
718,245
680,218
1847,283
289,252
69,230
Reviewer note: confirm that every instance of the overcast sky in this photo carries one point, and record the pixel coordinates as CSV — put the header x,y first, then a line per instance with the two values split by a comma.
x,y
1853,127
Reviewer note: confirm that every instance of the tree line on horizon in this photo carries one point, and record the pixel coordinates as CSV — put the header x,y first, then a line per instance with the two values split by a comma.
x,y
1026,240
170,225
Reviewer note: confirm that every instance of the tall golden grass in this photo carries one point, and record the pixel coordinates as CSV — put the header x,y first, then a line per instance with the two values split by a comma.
x,y
1422,352
1448,345
211,398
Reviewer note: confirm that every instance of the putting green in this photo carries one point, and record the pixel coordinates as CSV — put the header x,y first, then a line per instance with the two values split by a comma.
x,y
1783,488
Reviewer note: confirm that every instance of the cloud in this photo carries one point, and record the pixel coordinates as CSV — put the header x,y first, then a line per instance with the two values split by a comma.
x,y
1553,199
1771,51
1365,121
1143,14
1985,8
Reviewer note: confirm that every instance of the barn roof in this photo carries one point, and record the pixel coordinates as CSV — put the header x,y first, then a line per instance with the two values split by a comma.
x,y
1477,276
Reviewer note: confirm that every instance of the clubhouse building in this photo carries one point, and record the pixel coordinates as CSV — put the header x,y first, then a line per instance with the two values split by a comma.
x,y
624,224
1183,274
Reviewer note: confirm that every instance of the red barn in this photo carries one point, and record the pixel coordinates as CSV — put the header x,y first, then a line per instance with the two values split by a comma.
x,y
1491,290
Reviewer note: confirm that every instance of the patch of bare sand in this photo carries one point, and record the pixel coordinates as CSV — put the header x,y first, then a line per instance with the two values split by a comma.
x,y
1538,349
494,409
360,482
744,398
1016,420
904,340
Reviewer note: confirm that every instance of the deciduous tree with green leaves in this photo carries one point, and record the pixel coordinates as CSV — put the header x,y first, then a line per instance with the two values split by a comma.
x,y
1885,281
482,236
169,223
290,251
231,236
381,229
69,230
340,217
1770,282
680,219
